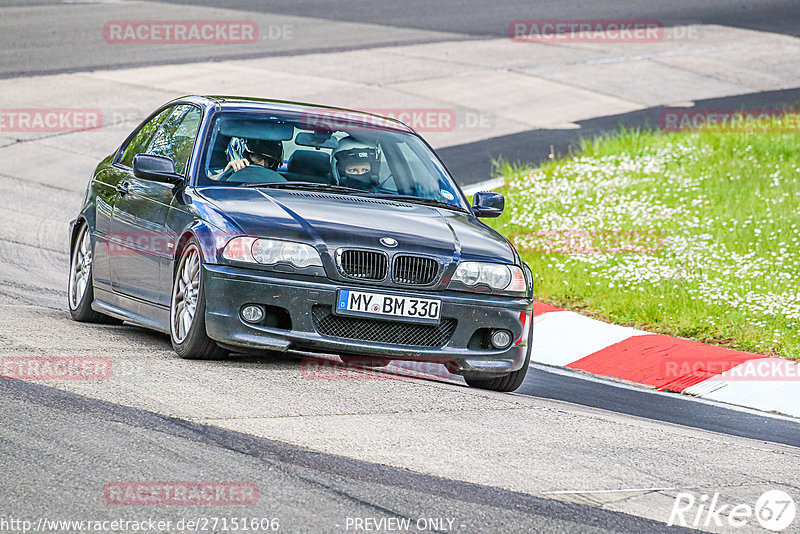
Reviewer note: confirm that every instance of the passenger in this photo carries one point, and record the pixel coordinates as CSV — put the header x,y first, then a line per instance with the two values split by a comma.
x,y
357,165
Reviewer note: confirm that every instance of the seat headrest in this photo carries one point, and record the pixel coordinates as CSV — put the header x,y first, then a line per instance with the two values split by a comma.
x,y
310,162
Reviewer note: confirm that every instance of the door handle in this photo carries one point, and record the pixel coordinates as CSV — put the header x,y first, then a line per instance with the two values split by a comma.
x,y
123,188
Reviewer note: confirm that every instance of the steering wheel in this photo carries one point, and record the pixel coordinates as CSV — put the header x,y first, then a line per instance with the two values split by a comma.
x,y
226,175
252,174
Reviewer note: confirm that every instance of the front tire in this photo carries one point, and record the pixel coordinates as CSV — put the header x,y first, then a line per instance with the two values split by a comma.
x,y
80,292
508,382
187,323
505,383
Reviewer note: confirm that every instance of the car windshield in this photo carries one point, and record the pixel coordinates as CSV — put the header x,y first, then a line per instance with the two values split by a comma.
x,y
324,152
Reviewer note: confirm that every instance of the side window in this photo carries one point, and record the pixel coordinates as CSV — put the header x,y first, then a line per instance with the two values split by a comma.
x,y
175,138
139,143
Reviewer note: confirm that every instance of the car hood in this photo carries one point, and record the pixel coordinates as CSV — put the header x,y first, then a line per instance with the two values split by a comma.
x,y
331,221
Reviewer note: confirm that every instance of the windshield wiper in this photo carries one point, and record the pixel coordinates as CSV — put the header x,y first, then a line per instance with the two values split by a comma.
x,y
309,185
421,200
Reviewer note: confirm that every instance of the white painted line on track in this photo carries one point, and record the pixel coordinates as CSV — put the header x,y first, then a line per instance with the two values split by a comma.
x,y
624,490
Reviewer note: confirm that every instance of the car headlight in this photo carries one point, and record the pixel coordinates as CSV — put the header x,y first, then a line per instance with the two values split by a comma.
x,y
271,252
499,277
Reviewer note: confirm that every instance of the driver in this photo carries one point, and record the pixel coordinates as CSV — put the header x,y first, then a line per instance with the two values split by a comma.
x,y
357,165
267,154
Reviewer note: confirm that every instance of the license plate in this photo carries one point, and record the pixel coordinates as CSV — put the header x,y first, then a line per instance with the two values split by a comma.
x,y
388,306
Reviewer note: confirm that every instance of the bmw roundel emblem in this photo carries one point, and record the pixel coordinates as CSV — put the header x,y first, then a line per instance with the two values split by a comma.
x,y
388,242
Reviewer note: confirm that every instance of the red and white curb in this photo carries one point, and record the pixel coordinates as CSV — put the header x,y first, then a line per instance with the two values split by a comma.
x,y
568,339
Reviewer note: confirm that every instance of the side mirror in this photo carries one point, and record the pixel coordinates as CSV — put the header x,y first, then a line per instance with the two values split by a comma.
x,y
155,168
487,204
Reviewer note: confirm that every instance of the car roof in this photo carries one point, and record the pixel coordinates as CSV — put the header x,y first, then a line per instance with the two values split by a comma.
x,y
242,103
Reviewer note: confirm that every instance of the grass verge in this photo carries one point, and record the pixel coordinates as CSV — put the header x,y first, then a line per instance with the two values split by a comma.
x,y
692,234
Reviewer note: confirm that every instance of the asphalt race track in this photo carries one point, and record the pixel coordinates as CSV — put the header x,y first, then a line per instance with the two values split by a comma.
x,y
565,453
306,490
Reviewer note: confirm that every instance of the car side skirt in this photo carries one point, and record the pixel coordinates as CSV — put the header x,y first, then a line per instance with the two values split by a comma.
x,y
131,310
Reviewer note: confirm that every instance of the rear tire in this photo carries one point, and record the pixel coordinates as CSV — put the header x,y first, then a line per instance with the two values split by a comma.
x,y
187,322
80,291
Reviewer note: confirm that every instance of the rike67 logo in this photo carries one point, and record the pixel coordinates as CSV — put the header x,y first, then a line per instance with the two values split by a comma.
x,y
775,510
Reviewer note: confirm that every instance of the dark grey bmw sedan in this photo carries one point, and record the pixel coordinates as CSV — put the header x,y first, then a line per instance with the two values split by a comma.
x,y
239,224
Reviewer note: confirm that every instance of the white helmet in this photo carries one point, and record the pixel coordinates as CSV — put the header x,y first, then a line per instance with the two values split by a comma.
x,y
355,163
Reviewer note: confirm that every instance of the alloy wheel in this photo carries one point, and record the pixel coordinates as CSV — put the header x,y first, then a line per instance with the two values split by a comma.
x,y
80,268
185,293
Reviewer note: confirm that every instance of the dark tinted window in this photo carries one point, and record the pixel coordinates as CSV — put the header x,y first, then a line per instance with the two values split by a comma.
x,y
175,138
142,138
365,155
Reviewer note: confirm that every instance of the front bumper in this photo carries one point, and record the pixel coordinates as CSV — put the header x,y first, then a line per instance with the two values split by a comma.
x,y
307,300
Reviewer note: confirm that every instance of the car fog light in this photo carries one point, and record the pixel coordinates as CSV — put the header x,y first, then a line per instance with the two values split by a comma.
x,y
252,313
501,339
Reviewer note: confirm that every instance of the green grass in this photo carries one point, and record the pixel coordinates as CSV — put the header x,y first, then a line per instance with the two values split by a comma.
x,y
685,233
